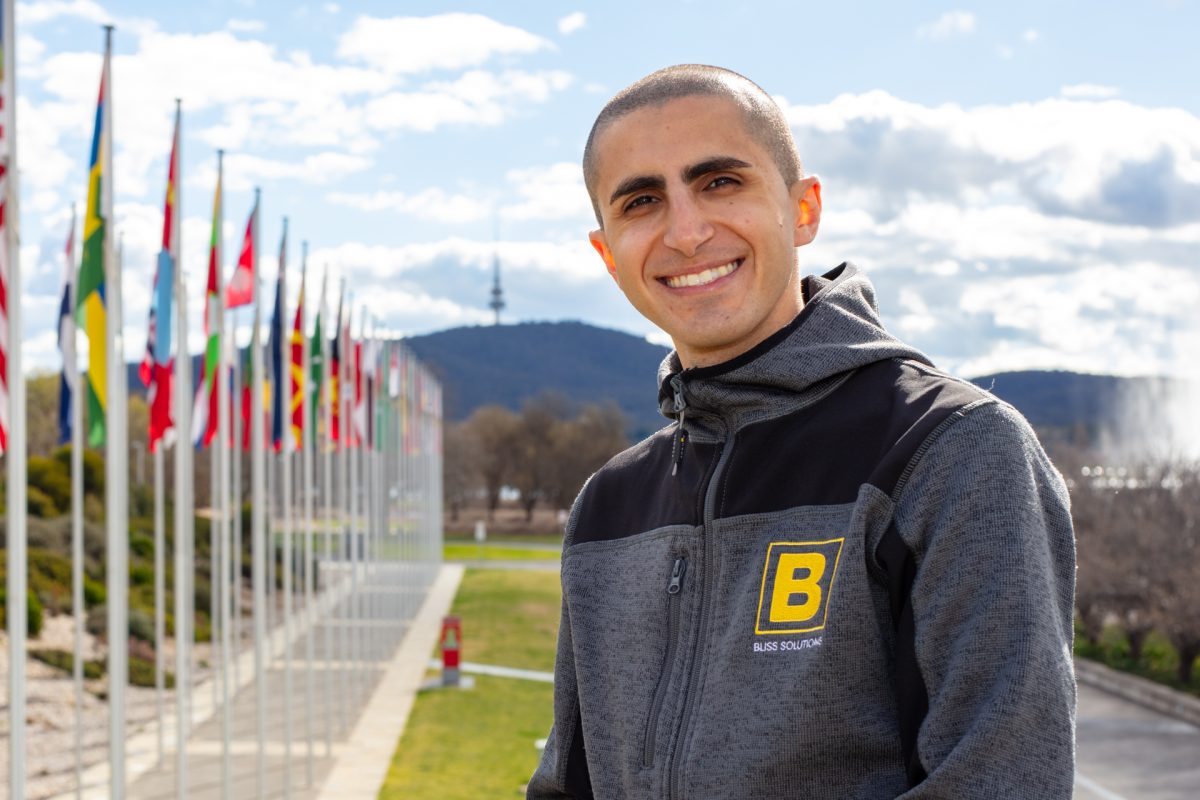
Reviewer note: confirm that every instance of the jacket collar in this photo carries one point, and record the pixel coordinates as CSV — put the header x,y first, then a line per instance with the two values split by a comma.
x,y
837,331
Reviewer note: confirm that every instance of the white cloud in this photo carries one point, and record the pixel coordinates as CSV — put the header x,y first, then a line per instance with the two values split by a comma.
x,y
246,25
572,22
1030,36
952,23
405,45
1089,90
331,8
47,10
546,193
431,204
477,97
244,171
1004,51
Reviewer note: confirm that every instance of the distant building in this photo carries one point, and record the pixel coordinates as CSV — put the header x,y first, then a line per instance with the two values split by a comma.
x,y
497,304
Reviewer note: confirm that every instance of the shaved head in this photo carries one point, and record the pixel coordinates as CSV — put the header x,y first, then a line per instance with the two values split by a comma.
x,y
762,117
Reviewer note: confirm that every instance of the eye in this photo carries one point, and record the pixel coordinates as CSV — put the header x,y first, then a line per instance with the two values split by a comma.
x,y
719,181
637,202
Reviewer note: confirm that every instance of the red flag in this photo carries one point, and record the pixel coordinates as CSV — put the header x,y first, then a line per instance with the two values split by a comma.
x,y
297,369
240,291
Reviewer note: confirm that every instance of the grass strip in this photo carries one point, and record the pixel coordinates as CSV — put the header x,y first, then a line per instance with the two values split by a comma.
x,y
492,552
480,742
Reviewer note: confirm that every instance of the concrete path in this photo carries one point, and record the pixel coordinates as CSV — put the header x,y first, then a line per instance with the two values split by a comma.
x,y
1127,752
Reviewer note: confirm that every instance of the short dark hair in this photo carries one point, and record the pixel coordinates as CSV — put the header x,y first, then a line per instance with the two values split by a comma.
x,y
763,117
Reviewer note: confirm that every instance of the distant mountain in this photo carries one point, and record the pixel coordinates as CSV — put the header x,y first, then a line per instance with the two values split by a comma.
x,y
505,364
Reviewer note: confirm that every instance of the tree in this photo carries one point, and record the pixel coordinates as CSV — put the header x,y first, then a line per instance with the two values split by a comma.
x,y
533,463
460,467
580,447
495,430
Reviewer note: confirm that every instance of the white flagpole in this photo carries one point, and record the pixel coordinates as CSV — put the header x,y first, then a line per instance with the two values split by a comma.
x,y
307,437
344,399
16,455
258,517
285,480
116,483
71,372
223,504
236,455
159,591
183,507
326,404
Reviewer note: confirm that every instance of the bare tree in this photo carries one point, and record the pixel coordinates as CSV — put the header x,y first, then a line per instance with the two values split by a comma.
x,y
495,432
581,446
461,467
534,465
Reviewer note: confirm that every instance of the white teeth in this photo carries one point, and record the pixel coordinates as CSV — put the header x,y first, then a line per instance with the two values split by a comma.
x,y
702,278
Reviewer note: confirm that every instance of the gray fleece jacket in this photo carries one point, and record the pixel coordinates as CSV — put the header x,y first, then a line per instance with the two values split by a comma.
x,y
839,573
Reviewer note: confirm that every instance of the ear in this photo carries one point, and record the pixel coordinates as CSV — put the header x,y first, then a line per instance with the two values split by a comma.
x,y
600,244
806,193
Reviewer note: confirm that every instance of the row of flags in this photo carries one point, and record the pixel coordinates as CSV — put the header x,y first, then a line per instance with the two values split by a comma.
x,y
83,302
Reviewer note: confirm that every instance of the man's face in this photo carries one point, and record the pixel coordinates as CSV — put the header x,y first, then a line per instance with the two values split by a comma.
x,y
699,229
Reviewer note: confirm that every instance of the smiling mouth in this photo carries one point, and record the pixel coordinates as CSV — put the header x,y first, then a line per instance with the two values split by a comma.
x,y
702,278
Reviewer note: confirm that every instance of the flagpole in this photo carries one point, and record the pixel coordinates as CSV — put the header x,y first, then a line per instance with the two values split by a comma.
x,y
344,400
307,437
223,449
285,479
116,484
326,404
15,423
71,366
258,512
236,456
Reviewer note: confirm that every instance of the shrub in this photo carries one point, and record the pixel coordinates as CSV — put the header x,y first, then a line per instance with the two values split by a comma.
x,y
51,478
141,545
141,625
40,504
141,575
33,612
65,660
93,469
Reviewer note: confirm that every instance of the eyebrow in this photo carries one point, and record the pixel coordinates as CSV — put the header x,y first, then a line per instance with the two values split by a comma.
x,y
640,183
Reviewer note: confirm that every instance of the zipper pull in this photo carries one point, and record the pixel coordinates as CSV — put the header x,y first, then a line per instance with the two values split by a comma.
x,y
681,436
677,576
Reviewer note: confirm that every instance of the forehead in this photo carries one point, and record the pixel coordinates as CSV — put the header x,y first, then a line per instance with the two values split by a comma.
x,y
661,138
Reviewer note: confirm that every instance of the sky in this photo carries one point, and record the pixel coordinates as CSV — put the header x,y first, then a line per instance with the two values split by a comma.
x,y
1021,181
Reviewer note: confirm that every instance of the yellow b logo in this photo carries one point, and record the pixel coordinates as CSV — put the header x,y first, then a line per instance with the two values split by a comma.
x,y
797,579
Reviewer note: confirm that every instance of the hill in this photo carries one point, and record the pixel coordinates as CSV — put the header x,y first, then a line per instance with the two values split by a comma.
x,y
508,363
505,364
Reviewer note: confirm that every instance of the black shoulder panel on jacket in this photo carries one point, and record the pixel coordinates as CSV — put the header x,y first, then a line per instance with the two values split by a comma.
x,y
636,492
864,432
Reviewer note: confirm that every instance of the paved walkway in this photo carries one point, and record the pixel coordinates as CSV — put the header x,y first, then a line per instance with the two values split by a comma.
x,y
1127,752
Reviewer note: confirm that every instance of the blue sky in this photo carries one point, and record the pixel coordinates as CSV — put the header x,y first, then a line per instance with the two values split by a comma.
x,y
1021,181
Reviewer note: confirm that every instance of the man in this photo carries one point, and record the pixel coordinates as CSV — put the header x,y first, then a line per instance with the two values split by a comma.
x,y
838,573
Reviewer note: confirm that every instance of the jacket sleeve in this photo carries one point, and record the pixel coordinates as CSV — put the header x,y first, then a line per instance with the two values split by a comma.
x,y
987,518
563,771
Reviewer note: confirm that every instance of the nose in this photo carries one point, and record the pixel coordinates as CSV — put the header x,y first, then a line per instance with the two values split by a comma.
x,y
687,226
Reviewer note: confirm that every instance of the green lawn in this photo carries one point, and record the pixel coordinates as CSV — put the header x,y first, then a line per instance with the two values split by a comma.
x,y
455,551
480,742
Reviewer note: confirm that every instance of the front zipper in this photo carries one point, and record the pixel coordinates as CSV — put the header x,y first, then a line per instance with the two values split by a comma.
x,y
674,588
680,439
707,548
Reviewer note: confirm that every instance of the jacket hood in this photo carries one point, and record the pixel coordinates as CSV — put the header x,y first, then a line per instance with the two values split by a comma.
x,y
837,331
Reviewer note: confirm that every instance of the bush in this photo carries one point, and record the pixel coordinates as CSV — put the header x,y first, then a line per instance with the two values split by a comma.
x,y
65,660
52,478
141,545
141,625
94,593
93,469
141,575
39,504
33,612
141,673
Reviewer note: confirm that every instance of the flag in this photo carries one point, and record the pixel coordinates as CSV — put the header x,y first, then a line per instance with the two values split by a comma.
x,y
275,348
335,371
316,359
90,290
358,416
297,365
204,409
157,367
66,336
240,291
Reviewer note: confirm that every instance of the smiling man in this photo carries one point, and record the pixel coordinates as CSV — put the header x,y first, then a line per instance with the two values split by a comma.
x,y
838,572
